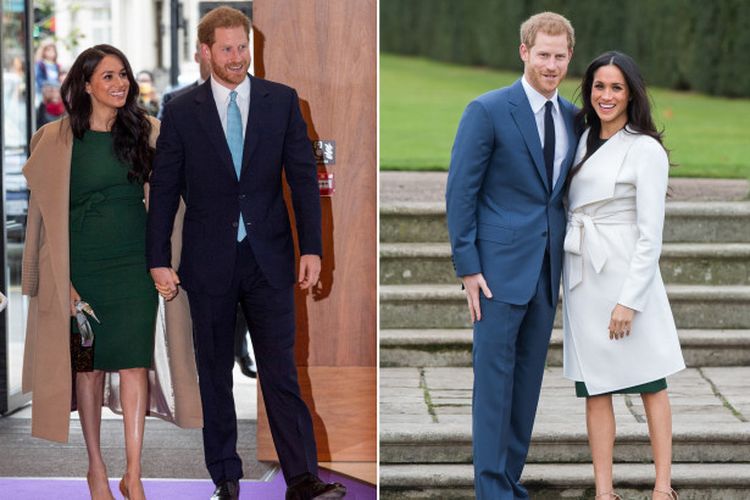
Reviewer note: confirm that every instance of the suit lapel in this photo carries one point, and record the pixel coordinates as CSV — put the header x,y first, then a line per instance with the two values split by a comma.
x,y
47,173
568,115
524,118
256,117
208,117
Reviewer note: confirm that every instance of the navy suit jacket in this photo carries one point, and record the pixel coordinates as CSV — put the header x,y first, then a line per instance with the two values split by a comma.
x,y
501,211
193,160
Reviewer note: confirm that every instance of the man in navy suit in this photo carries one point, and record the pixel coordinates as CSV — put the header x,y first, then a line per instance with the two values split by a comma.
x,y
222,148
506,220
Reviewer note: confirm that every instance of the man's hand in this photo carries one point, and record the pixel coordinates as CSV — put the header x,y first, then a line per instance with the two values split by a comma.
x,y
309,271
620,322
166,281
472,284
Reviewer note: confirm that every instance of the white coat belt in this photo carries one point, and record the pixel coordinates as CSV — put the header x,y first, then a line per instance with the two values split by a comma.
x,y
582,225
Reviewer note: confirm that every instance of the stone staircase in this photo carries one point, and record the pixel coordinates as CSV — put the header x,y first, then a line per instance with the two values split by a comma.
x,y
425,356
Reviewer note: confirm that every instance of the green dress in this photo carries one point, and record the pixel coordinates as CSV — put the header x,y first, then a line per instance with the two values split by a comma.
x,y
107,258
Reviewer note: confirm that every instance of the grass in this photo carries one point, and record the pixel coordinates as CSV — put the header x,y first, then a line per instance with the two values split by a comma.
x,y
422,101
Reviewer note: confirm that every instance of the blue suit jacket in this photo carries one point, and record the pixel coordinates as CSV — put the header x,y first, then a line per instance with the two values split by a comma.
x,y
193,160
501,211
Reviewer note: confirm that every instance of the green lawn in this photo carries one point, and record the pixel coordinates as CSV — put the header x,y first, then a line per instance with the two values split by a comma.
x,y
421,103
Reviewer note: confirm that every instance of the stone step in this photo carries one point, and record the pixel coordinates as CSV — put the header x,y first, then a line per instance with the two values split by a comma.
x,y
566,443
686,221
452,347
444,306
681,263
567,481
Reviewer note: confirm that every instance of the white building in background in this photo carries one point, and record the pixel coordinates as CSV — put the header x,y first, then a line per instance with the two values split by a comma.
x,y
140,28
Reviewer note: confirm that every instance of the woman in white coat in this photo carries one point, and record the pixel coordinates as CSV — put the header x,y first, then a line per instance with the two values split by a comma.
x,y
619,333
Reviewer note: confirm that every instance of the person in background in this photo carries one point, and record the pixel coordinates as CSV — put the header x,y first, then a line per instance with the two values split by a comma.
x,y
241,348
46,68
51,108
619,333
204,67
147,97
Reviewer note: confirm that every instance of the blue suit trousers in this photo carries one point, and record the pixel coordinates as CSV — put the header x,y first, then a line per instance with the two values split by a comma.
x,y
509,354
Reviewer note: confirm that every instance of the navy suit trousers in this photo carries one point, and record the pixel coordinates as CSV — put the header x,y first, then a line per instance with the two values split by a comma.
x,y
270,316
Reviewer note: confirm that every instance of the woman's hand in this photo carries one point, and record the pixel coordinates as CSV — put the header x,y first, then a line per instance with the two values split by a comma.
x,y
74,297
621,321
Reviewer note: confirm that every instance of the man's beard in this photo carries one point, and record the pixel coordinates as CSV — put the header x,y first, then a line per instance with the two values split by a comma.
x,y
228,76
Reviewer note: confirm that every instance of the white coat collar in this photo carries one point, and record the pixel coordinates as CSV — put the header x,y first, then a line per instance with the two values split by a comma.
x,y
595,181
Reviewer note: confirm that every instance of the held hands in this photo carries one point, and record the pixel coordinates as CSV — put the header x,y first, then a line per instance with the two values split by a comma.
x,y
472,284
621,321
309,271
166,281
74,297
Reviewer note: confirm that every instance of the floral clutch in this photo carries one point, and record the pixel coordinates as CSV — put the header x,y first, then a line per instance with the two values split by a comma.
x,y
87,333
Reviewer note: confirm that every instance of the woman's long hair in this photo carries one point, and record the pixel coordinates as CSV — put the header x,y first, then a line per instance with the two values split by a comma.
x,y
131,129
639,107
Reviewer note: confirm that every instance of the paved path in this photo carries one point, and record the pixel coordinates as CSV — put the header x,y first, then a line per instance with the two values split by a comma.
x,y
430,186
434,396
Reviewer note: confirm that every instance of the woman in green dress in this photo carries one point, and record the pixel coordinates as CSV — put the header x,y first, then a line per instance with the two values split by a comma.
x,y
110,164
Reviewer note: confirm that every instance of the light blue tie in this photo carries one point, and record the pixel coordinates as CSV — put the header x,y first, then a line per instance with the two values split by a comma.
x,y
234,140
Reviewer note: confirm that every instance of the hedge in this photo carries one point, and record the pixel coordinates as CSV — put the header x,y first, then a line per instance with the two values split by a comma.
x,y
681,44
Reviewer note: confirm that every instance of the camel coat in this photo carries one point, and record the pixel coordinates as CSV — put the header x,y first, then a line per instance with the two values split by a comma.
x,y
47,373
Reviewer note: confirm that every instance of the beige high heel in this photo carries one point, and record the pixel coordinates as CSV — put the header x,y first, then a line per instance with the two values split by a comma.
x,y
672,494
124,489
609,494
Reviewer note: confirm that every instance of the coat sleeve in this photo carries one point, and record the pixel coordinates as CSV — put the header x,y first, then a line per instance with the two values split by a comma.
x,y
33,239
470,157
652,173
302,176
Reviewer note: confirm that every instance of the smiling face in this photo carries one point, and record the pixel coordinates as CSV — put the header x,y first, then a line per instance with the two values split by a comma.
x,y
229,55
609,97
546,62
109,84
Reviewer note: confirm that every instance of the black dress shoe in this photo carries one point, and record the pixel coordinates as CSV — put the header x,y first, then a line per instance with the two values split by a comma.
x,y
247,367
227,490
309,486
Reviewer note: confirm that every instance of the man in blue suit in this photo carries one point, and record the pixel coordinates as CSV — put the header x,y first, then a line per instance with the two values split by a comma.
x,y
223,147
506,220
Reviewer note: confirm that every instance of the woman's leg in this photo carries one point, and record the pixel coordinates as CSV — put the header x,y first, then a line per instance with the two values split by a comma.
x,y
134,398
659,415
89,393
600,423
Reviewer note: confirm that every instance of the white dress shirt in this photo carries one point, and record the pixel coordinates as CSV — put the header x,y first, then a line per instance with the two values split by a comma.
x,y
221,97
537,102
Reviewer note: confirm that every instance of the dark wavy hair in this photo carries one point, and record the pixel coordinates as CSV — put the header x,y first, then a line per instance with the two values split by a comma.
x,y
131,129
639,105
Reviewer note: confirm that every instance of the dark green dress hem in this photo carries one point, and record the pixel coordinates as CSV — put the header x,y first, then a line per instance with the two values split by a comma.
x,y
647,388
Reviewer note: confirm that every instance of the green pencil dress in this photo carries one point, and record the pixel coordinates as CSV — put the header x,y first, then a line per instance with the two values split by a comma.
x,y
107,258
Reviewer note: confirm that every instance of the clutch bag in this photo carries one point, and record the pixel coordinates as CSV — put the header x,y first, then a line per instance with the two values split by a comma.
x,y
87,334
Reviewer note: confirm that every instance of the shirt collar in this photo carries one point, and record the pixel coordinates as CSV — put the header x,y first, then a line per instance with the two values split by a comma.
x,y
537,100
221,93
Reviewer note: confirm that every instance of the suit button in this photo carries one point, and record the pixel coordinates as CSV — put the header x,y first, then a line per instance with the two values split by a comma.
x,y
243,196
248,224
544,233
235,224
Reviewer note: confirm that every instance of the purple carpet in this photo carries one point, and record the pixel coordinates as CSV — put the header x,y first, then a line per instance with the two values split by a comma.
x,y
166,489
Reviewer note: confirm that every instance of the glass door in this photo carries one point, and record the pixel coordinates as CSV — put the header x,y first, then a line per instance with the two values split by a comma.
x,y
16,126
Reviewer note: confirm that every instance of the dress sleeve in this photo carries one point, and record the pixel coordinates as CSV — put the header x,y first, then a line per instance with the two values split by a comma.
x,y
652,172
